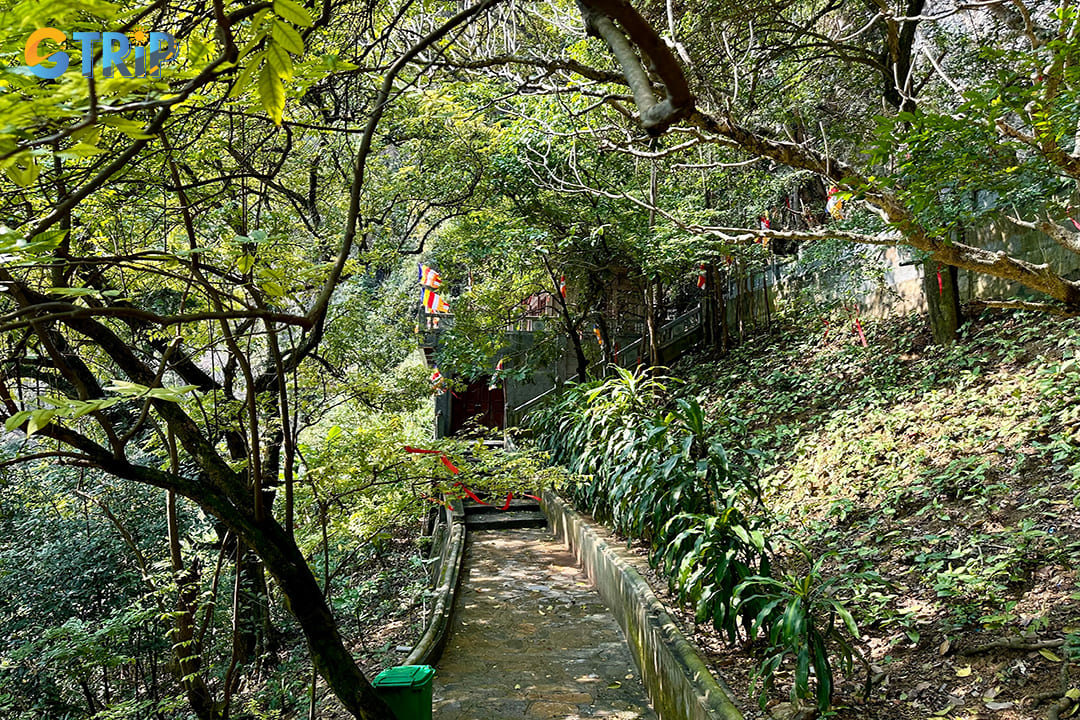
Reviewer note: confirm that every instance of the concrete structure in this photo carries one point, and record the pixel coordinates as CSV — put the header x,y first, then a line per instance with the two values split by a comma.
x,y
679,684
532,640
449,549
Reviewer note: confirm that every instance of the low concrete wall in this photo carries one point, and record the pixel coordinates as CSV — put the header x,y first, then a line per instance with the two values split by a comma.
x,y
433,641
678,683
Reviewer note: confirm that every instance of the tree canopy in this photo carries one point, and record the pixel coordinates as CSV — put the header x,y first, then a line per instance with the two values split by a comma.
x,y
197,265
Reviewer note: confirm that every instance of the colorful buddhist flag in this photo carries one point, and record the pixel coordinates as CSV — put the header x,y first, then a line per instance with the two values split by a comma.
x,y
701,276
599,337
562,286
434,303
495,377
764,223
428,276
834,204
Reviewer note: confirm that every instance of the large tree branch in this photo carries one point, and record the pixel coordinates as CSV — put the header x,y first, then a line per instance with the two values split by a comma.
x,y
656,116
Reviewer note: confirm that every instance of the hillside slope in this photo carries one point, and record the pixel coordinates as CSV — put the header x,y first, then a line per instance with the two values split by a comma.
x,y
953,473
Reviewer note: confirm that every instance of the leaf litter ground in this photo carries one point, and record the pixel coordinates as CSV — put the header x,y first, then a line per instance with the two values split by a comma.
x,y
951,472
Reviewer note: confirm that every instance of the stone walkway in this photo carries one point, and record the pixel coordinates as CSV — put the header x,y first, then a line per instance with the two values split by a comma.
x,y
531,639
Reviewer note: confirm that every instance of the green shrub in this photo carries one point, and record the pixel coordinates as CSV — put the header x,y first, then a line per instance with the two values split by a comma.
x,y
653,467
804,620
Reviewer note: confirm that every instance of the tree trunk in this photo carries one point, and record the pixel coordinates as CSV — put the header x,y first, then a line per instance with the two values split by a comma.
x,y
721,295
304,597
187,650
652,325
942,290
607,351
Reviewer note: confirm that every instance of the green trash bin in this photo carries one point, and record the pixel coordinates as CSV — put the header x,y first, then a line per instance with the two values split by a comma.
x,y
407,690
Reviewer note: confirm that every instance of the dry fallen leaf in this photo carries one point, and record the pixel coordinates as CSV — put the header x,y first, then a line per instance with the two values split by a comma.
x,y
964,671
1049,655
998,705
944,647
614,684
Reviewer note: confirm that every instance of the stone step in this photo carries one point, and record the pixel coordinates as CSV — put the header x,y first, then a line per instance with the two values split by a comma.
x,y
508,520
475,508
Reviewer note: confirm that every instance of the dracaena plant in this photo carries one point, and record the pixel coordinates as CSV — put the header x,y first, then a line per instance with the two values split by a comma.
x,y
802,618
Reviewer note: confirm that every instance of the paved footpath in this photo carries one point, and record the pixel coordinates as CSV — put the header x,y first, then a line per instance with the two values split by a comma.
x,y
532,639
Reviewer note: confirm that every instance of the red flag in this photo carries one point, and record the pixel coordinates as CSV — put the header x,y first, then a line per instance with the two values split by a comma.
x,y
862,335
701,276
562,286
859,330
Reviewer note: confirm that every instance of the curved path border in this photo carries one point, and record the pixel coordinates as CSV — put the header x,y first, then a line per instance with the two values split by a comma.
x,y
679,684
431,644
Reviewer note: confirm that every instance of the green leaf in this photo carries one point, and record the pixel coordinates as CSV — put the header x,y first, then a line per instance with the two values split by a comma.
x,y
16,420
823,672
272,93
81,150
273,289
38,420
130,128
294,12
23,170
802,672
849,621
243,79
245,263
286,36
278,59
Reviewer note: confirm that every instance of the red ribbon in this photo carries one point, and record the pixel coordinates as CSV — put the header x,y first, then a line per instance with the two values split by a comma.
x,y
940,285
506,506
474,498
1077,224
470,493
442,456
826,339
858,327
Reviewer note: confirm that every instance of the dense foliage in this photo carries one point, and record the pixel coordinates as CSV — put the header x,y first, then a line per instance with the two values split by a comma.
x,y
200,266
653,466
921,500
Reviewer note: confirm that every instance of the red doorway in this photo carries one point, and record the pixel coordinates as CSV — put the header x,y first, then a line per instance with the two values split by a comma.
x,y
477,404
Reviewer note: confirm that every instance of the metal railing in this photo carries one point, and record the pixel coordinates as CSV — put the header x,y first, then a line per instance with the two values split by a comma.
x,y
669,333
